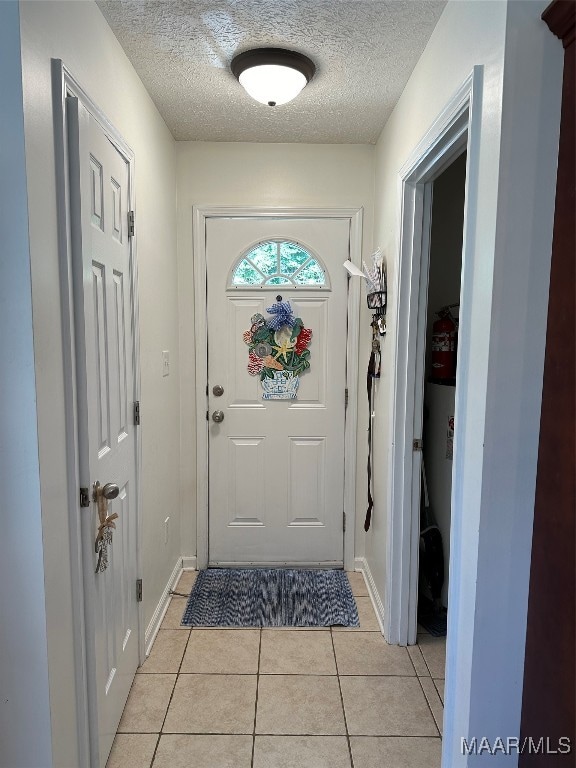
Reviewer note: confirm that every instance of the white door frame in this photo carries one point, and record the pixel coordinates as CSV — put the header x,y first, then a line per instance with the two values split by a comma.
x,y
200,216
64,85
455,129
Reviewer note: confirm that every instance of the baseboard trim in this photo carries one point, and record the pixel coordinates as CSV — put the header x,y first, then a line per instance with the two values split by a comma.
x,y
161,608
189,563
361,564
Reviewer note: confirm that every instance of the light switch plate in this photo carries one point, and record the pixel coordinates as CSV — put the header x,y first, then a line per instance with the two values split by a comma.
x,y
165,363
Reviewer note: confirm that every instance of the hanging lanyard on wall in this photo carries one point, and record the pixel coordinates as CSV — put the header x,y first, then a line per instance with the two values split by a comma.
x,y
372,374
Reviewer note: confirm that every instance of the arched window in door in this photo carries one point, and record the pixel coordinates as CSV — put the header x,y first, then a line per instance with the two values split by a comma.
x,y
277,263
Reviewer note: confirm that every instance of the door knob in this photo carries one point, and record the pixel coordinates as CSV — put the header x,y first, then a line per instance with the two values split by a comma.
x,y
218,416
108,491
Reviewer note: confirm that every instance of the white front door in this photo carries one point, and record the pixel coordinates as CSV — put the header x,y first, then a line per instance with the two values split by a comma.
x,y
276,466
107,437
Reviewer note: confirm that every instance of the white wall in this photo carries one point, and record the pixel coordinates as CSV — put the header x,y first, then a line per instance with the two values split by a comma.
x,y
264,175
24,698
511,233
77,33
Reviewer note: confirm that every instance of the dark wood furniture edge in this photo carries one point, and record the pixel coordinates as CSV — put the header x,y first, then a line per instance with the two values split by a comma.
x,y
560,17
549,697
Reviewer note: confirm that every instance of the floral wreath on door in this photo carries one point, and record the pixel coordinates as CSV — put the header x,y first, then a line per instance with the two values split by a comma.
x,y
278,351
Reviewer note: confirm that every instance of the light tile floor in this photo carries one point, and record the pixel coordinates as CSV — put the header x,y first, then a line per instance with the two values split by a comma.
x,y
283,698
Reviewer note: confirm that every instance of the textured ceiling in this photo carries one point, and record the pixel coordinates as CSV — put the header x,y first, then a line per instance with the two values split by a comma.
x,y
364,51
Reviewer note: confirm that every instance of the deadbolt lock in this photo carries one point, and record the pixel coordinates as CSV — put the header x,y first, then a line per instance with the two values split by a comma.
x,y
218,390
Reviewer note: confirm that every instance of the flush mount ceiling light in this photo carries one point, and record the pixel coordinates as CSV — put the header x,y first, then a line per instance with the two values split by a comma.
x,y
272,76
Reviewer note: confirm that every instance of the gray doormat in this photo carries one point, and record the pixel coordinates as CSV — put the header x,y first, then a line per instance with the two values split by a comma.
x,y
270,597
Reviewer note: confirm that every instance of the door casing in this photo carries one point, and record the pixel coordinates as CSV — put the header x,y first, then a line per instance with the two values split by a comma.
x,y
454,131
63,85
200,216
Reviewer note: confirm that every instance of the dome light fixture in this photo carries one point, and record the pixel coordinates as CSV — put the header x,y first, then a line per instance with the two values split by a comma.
x,y
272,76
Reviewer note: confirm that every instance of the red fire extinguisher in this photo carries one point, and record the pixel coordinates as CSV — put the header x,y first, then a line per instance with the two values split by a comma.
x,y
444,346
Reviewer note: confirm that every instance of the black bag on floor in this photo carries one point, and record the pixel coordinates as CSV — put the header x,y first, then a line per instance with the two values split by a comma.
x,y
432,560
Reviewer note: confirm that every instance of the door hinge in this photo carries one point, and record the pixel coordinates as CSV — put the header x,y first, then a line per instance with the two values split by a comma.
x,y
346,398
137,413
344,521
130,223
84,497
417,445
138,590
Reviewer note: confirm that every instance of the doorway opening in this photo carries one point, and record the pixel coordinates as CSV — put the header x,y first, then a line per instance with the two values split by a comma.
x,y
454,132
439,393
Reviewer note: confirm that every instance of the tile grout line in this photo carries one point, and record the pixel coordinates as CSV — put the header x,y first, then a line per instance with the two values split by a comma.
x,y
279,735
424,692
170,700
342,700
281,674
256,702
434,691
289,674
434,679
156,745
424,657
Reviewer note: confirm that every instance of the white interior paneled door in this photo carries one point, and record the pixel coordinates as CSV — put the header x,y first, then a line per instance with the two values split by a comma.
x,y
105,344
276,466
